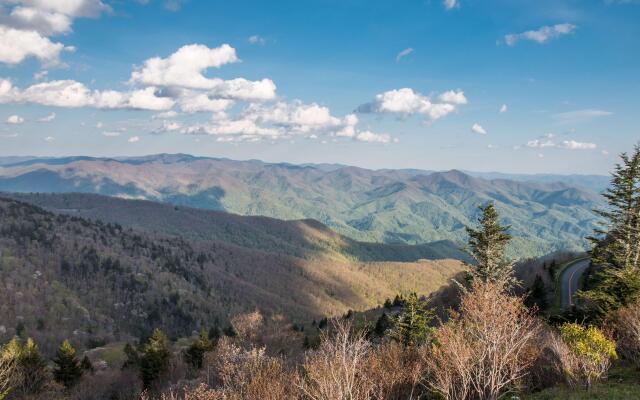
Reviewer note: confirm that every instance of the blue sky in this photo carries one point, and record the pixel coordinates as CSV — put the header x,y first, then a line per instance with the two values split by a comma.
x,y
513,86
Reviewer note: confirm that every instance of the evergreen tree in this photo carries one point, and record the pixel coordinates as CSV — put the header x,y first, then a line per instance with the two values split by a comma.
x,y
537,295
67,371
382,324
214,334
194,354
32,368
411,326
487,246
133,357
616,248
86,365
154,360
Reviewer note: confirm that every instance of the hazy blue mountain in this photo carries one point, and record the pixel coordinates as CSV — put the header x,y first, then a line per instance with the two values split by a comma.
x,y
390,206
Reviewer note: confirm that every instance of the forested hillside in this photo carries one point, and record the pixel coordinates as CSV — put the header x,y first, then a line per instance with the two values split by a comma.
x,y
67,277
391,206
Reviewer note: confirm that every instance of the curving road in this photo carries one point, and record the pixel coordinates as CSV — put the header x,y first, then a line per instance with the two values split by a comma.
x,y
569,281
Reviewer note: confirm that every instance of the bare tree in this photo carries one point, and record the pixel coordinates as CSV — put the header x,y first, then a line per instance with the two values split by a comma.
x,y
485,349
334,370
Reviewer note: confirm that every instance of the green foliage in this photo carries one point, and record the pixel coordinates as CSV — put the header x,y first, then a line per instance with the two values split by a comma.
x,y
588,342
537,296
154,360
383,323
28,366
487,246
194,354
411,325
68,370
616,249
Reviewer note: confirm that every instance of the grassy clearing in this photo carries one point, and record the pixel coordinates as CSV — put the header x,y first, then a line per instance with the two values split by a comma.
x,y
623,384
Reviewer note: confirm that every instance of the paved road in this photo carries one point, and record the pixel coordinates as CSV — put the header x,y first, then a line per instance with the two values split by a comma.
x,y
569,282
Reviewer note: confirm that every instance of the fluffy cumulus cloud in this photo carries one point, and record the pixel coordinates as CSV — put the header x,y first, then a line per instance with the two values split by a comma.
x,y
407,102
279,120
477,128
503,109
185,67
73,94
15,120
240,109
16,45
133,139
26,25
541,35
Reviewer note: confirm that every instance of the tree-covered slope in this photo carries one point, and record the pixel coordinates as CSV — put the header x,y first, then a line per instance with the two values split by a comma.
x,y
63,276
391,206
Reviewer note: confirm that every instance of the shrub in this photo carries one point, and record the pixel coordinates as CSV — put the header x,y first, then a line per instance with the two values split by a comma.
x,y
584,354
485,349
333,371
626,324
245,374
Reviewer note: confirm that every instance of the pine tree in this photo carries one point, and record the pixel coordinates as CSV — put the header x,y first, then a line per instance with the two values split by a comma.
x,y
382,324
32,368
194,354
411,326
616,248
537,295
67,371
154,360
487,246
86,365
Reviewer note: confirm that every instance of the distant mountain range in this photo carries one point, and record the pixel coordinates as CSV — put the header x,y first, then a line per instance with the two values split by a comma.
x,y
546,212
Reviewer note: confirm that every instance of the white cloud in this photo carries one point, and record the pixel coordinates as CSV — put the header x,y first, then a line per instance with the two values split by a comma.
x,y
451,4
17,45
133,139
42,21
40,75
453,97
503,109
407,102
540,143
185,67
281,121
580,116
15,120
368,136
477,128
111,133
404,53
193,102
256,39
73,94
26,25
573,145
99,125
48,118
546,141
541,35
49,139
165,115
73,8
